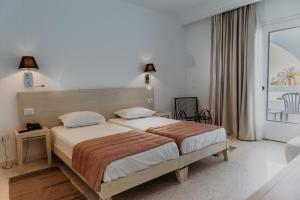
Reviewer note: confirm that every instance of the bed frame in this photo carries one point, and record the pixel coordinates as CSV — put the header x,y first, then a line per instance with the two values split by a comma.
x,y
120,185
179,165
185,160
48,105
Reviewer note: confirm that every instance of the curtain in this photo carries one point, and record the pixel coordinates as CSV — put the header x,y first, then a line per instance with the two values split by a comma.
x,y
232,97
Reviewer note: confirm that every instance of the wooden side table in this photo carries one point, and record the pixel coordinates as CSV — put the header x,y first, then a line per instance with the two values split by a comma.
x,y
163,114
43,133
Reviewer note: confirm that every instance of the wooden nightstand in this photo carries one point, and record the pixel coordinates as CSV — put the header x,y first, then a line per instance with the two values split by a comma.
x,y
163,114
43,133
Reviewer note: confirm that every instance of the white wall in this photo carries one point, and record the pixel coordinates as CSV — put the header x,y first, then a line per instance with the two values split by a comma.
x,y
274,11
86,44
277,15
197,59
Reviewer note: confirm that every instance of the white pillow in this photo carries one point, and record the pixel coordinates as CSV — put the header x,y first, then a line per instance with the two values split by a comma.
x,y
79,119
134,113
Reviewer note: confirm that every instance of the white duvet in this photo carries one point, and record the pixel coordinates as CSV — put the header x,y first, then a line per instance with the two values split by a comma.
x,y
66,138
188,145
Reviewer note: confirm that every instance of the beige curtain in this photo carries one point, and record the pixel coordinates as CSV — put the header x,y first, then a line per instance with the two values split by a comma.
x,y
232,71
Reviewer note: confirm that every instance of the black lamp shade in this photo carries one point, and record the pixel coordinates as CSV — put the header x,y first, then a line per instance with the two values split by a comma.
x,y
150,68
28,62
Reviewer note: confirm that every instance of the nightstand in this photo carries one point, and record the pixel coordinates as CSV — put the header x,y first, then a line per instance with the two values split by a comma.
x,y
163,114
43,133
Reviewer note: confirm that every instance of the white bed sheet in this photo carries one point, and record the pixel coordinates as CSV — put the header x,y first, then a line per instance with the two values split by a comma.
x,y
188,145
66,138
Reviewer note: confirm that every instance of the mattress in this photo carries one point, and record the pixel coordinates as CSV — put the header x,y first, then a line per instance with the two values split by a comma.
x,y
66,138
188,145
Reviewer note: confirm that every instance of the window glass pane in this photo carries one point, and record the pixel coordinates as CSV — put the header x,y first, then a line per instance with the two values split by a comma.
x,y
284,76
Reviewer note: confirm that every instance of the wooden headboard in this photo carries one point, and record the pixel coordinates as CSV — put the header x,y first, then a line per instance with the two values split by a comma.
x,y
49,105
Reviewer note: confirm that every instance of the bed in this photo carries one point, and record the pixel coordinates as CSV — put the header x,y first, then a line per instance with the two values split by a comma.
x,y
65,139
49,105
192,148
123,172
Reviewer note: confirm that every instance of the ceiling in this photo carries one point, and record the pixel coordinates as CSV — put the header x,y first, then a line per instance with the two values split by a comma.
x,y
169,5
190,11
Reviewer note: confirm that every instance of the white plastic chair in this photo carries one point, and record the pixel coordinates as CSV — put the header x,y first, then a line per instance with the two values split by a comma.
x,y
291,104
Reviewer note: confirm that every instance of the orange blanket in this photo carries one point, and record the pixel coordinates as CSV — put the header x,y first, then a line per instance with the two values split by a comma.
x,y
91,157
181,130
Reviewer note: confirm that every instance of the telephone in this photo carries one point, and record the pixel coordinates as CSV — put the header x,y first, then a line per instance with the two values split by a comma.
x,y
31,127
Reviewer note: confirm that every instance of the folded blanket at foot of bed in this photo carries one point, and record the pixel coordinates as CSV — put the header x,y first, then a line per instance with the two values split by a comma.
x,y
182,130
90,158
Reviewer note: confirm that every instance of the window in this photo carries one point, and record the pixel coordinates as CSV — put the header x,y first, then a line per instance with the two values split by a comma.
x,y
284,76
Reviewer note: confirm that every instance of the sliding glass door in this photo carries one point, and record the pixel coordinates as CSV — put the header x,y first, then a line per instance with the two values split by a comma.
x,y
283,104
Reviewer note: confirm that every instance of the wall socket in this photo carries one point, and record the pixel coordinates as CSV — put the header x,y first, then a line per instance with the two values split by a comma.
x,y
28,111
4,138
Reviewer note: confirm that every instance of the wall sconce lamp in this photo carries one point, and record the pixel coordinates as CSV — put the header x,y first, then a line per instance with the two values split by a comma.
x,y
148,70
28,63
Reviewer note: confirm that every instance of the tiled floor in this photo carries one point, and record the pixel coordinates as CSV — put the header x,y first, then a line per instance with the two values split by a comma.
x,y
250,166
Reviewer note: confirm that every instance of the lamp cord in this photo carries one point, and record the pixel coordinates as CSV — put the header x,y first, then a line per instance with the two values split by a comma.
x,y
5,166
6,158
